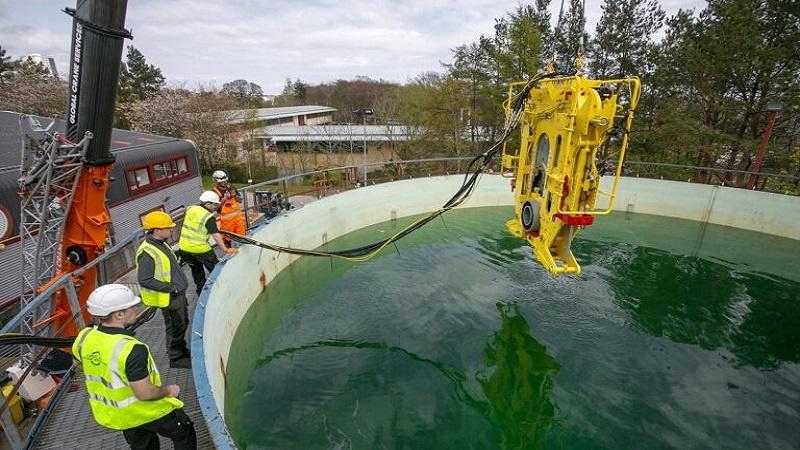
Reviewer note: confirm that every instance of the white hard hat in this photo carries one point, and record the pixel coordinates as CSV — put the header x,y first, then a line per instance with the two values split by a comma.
x,y
219,175
110,298
209,196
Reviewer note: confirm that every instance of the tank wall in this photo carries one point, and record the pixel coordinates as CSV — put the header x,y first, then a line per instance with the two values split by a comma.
x,y
241,279
739,208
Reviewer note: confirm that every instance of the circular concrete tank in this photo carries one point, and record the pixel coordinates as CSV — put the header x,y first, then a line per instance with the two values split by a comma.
x,y
242,279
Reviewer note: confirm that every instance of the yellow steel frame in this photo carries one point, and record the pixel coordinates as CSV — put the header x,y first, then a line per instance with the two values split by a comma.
x,y
557,183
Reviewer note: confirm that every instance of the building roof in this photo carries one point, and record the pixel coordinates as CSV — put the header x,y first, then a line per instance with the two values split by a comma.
x,y
129,147
238,116
340,133
121,140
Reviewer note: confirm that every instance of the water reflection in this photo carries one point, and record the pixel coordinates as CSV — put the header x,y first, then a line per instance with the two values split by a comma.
x,y
692,300
517,382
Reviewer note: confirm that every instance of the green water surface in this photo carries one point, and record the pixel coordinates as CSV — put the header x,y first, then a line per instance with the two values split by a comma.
x,y
677,335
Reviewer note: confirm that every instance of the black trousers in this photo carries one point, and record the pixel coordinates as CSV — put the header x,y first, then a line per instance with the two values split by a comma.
x,y
176,426
176,321
199,263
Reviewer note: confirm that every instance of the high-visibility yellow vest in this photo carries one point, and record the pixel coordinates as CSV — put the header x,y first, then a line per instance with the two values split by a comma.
x,y
111,398
194,235
162,272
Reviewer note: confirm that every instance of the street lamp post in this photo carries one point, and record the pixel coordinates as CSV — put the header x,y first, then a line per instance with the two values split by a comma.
x,y
364,112
773,108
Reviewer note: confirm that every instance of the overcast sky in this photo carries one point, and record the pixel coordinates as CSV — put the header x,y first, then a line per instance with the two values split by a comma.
x,y
215,41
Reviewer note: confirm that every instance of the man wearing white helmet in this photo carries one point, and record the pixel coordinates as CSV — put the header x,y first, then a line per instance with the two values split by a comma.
x,y
231,217
121,377
199,224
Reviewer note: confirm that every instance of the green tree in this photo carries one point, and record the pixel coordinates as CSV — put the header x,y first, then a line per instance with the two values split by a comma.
x,y
570,37
623,36
5,63
138,80
299,90
720,70
27,67
518,43
473,65
249,95
287,97
485,67
434,105
28,87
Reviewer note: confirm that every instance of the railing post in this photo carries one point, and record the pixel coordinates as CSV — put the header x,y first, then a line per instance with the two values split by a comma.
x,y
74,305
10,428
246,215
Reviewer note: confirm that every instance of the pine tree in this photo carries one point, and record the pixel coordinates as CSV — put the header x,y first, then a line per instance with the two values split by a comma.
x,y
138,80
716,73
570,37
623,37
5,63
472,64
541,18
27,67
299,91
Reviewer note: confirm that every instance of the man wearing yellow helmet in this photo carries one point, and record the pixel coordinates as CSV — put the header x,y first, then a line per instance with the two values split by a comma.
x,y
163,284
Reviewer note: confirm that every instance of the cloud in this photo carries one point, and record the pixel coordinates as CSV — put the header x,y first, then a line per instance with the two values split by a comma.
x,y
205,41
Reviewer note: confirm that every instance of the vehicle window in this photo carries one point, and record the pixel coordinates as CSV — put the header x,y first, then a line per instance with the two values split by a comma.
x,y
142,177
131,177
172,168
159,171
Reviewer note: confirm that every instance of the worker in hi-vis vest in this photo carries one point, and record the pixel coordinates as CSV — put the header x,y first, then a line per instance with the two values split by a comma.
x,y
199,224
163,284
122,380
231,217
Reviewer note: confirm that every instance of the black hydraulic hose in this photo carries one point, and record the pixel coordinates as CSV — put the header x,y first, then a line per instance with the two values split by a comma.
x,y
465,190
67,341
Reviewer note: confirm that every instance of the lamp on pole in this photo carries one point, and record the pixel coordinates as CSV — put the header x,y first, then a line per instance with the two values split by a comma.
x,y
772,108
364,112
249,156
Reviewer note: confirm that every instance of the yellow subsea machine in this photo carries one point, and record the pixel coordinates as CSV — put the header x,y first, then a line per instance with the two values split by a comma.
x,y
555,177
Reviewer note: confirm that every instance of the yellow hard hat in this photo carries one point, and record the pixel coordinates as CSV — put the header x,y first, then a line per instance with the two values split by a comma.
x,y
157,219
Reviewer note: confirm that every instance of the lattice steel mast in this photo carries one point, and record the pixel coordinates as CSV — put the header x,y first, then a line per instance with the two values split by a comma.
x,y
49,172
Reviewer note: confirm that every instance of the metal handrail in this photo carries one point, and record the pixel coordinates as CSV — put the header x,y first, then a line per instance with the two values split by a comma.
x,y
334,169
64,279
627,164
252,188
708,169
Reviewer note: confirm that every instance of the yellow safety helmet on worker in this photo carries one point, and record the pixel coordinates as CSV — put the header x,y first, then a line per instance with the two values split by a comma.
x,y
157,220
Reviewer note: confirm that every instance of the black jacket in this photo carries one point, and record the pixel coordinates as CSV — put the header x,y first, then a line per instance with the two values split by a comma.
x,y
147,268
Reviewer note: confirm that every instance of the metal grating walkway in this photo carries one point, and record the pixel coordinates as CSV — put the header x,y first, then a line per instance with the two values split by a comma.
x,y
71,425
